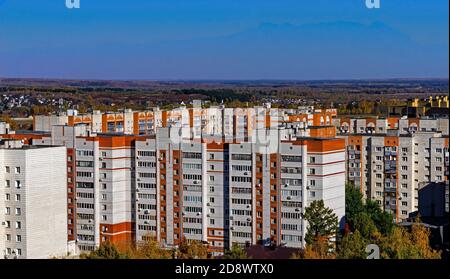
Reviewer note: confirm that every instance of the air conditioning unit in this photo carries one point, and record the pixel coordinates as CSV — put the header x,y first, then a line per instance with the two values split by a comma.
x,y
245,173
248,206
146,211
137,199
249,219
307,187
3,223
138,179
232,228
100,159
208,204
160,159
146,222
137,190
259,185
297,210
288,198
198,214
286,185
90,221
195,182
208,215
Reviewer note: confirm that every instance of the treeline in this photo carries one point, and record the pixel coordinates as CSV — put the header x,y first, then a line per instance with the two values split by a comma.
x,y
366,223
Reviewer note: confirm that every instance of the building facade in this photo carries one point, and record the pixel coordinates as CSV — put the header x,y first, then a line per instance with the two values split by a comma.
x,y
33,201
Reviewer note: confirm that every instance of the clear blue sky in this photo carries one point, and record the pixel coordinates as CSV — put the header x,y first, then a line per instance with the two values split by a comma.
x,y
224,39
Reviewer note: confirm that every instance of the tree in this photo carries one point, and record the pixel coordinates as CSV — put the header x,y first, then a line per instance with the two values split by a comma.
x,y
150,249
364,224
235,253
107,251
366,217
13,124
352,246
382,219
192,250
353,204
402,244
318,249
322,221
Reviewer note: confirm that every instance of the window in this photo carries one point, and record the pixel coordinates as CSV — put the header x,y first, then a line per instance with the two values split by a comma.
x,y
17,170
18,225
7,170
7,183
18,238
211,156
103,196
211,178
18,184
312,194
17,197
18,211
8,237
7,211
7,197
312,159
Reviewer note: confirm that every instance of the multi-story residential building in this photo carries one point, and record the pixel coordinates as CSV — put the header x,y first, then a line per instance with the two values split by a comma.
x,y
404,125
391,168
33,201
234,192
218,175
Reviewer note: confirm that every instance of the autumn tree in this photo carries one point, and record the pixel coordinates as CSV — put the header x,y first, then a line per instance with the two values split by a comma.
x,y
404,244
150,249
192,250
352,246
106,251
317,250
235,253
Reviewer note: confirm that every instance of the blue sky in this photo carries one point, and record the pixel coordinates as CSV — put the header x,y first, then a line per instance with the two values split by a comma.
x,y
224,39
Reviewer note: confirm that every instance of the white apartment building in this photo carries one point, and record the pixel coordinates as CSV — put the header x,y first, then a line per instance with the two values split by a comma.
x,y
391,168
33,201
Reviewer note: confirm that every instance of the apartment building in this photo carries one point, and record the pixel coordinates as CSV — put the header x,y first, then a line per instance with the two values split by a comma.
x,y
391,168
33,201
404,125
218,175
243,192
215,120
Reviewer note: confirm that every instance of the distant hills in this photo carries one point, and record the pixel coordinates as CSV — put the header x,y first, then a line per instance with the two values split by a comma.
x,y
332,50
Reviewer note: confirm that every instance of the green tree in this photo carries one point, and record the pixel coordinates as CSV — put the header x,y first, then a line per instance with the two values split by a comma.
x,y
235,253
364,224
107,251
352,246
322,221
353,204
